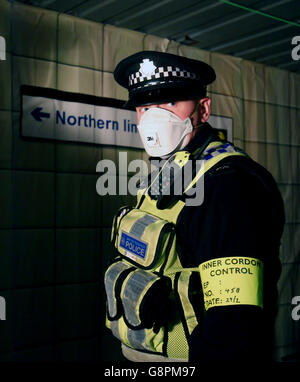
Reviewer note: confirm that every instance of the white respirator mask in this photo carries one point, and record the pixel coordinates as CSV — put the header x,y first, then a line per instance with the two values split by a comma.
x,y
162,132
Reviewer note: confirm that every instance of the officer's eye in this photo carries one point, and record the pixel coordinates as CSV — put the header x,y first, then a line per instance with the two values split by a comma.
x,y
143,109
171,103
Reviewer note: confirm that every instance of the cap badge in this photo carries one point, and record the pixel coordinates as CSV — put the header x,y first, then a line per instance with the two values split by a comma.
x,y
147,68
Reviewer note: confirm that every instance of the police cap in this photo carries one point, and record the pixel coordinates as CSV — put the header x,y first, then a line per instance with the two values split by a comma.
x,y
155,77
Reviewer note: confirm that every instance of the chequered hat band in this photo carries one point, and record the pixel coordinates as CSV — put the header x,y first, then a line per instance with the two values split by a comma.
x,y
160,72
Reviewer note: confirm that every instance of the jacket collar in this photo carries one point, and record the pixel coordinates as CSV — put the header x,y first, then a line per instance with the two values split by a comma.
x,y
205,135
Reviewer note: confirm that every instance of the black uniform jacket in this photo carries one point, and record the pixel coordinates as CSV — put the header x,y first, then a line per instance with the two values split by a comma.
x,y
242,215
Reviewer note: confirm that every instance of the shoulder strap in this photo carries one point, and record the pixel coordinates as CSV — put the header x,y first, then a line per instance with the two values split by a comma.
x,y
198,162
213,155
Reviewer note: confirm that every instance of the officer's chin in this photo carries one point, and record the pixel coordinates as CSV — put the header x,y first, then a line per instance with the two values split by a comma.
x,y
157,157
162,157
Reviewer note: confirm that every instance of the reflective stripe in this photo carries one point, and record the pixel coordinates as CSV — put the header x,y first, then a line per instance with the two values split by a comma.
x,y
137,339
141,224
114,325
183,291
134,288
110,279
141,339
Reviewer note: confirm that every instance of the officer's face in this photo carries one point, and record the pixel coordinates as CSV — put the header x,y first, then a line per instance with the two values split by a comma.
x,y
198,110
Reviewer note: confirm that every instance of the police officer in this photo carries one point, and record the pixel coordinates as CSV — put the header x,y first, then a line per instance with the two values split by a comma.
x,y
223,265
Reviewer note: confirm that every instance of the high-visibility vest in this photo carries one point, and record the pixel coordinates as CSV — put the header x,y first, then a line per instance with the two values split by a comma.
x,y
151,298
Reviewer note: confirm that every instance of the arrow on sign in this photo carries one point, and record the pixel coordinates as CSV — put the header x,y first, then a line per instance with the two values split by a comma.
x,y
38,114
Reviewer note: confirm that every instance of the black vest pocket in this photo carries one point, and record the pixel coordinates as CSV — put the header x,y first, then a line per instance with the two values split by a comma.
x,y
143,294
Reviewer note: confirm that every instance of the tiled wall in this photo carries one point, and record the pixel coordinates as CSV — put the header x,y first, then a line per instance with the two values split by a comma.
x,y
54,228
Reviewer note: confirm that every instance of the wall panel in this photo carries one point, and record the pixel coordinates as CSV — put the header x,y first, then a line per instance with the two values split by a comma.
x,y
80,42
34,32
5,139
79,80
29,71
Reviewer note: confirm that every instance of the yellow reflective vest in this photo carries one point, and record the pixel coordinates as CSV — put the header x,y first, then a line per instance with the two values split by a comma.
x,y
149,293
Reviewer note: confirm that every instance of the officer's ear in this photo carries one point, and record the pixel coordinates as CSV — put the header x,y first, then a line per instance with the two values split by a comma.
x,y
204,105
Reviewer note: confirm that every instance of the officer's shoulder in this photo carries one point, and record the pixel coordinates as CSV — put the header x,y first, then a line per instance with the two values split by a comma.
x,y
238,167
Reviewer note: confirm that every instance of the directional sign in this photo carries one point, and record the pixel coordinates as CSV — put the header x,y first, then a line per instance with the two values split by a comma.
x,y
57,116
38,114
51,114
